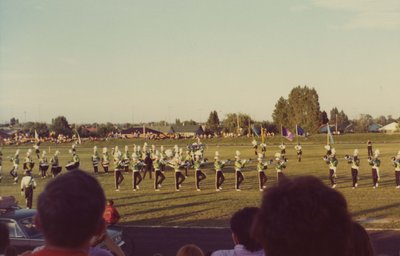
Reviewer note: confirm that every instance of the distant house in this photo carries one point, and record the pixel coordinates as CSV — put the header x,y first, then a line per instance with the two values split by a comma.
x,y
374,127
324,128
188,130
166,129
390,128
136,131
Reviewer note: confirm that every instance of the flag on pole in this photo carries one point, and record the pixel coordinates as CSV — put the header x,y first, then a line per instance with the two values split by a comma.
x,y
255,131
79,137
300,131
36,136
329,134
287,134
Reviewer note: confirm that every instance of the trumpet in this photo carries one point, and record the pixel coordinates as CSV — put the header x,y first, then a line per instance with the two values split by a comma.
x,y
348,158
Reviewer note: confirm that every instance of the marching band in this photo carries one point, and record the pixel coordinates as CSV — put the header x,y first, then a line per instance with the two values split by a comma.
x,y
194,159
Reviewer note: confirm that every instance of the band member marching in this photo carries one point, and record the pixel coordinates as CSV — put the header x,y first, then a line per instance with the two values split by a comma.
x,y
28,161
43,165
369,148
28,184
261,167
355,166
263,147
279,166
126,159
179,177
299,151
396,164
105,160
199,174
136,167
332,161
55,166
188,162
375,162
255,146
219,175
15,161
283,149
119,167
95,160
75,161
37,150
239,165
159,176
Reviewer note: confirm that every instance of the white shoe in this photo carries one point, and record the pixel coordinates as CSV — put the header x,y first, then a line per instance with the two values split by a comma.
x,y
374,187
180,185
159,185
198,189
220,188
137,187
377,185
261,190
238,189
397,186
353,187
264,186
356,185
176,189
134,190
117,189
334,186
217,189
157,190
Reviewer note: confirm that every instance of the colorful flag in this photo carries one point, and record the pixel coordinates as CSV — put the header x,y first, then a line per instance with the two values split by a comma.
x,y
287,134
36,136
329,134
255,131
300,131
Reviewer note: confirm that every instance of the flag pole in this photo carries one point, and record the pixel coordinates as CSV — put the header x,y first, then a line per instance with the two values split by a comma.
x,y
327,134
281,134
297,135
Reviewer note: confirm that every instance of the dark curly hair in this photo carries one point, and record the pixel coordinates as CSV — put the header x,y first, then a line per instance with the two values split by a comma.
x,y
302,216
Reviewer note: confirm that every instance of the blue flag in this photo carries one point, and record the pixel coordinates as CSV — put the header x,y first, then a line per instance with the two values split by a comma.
x,y
287,134
300,131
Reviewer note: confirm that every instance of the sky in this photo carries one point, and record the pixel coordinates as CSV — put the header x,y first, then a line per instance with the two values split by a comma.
x,y
153,60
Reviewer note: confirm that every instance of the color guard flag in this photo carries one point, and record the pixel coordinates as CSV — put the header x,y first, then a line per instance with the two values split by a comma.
x,y
36,136
287,134
300,131
329,134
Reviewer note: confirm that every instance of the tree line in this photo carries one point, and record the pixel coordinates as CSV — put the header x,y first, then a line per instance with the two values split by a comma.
x,y
301,108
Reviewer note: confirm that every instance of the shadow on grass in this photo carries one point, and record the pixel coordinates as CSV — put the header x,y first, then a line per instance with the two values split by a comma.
x,y
376,209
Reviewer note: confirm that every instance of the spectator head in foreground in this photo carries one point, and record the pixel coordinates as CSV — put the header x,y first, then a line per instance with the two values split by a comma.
x,y
302,216
190,250
241,225
361,243
70,210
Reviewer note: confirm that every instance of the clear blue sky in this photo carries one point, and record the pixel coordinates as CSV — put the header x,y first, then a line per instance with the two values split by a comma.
x,y
118,61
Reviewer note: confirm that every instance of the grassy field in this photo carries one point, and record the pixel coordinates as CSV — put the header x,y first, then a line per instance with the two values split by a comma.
x,y
375,208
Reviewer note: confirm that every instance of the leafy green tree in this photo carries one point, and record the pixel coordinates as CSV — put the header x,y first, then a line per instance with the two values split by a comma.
x,y
60,126
324,117
339,117
304,109
41,128
230,123
213,124
14,121
281,112
361,124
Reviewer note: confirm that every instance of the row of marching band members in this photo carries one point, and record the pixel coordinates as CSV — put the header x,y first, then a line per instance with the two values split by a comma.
x,y
354,160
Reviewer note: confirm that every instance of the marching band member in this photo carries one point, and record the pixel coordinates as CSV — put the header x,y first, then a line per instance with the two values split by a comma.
x,y
239,165
119,167
199,174
355,166
299,151
43,165
396,163
15,161
375,162
283,149
369,148
126,159
263,148
279,166
328,150
95,160
136,166
188,162
262,178
255,146
55,167
75,161
179,177
37,150
332,161
219,175
28,184
162,159
105,160
28,161
148,165
159,176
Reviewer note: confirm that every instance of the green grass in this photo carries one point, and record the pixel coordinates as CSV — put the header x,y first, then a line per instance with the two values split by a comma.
x,y
377,208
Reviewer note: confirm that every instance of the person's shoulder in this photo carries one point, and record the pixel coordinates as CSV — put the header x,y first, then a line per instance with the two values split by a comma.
x,y
96,251
223,253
